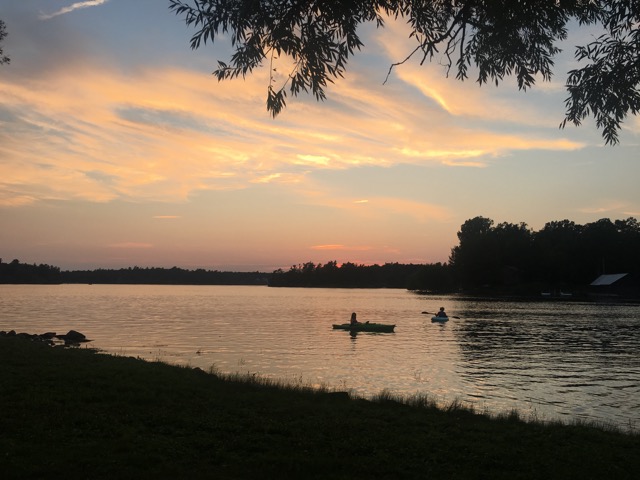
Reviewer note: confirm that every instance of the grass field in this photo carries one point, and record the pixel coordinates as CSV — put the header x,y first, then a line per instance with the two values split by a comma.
x,y
75,413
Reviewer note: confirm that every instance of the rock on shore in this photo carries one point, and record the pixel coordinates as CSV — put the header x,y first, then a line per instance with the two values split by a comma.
x,y
72,337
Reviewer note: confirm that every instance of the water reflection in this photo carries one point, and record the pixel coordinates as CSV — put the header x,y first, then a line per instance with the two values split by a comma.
x,y
549,359
577,356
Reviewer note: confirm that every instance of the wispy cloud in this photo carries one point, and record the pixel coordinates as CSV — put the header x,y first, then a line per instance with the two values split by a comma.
x,y
106,135
353,248
606,208
72,7
328,247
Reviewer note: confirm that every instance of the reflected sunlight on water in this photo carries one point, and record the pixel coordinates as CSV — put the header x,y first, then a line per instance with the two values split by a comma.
x,y
548,360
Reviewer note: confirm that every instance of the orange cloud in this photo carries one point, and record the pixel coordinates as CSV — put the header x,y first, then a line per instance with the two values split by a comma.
x,y
328,247
163,134
359,248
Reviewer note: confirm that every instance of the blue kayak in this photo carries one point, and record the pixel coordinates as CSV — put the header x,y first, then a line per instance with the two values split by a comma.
x,y
436,318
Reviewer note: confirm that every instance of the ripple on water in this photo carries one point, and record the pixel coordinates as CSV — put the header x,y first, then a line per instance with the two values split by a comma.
x,y
550,359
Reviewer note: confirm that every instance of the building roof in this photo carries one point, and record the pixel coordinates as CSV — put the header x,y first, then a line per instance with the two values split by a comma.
x,y
609,279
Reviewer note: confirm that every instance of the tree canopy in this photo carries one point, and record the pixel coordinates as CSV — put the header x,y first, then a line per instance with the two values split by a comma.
x,y
499,38
562,253
3,34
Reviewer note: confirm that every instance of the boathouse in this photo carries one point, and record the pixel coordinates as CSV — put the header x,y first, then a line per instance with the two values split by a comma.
x,y
617,285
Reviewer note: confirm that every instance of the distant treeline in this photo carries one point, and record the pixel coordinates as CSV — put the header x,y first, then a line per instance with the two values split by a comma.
x,y
347,275
165,276
16,272
505,257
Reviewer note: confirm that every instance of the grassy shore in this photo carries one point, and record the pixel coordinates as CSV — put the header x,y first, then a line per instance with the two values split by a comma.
x,y
74,413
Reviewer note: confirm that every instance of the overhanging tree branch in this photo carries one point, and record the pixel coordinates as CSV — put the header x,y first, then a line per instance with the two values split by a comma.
x,y
500,38
3,34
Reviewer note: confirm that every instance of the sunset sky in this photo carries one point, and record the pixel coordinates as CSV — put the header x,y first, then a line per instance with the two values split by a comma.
x,y
119,148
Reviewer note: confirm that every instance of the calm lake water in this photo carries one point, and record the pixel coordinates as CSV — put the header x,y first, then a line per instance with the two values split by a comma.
x,y
547,359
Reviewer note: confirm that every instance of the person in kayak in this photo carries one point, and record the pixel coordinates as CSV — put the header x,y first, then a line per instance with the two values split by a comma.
x,y
441,313
353,319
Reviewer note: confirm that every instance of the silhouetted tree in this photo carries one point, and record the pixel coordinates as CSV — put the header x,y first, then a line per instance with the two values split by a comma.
x,y
16,272
629,245
556,253
513,243
498,38
433,278
474,260
561,254
347,275
597,245
164,276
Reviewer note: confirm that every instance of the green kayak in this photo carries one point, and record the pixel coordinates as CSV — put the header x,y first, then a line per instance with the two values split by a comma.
x,y
365,327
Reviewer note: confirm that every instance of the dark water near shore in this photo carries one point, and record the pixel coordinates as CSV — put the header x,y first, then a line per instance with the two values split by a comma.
x,y
547,359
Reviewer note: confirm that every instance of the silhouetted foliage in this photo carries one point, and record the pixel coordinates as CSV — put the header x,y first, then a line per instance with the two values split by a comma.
x,y
164,276
561,254
474,258
433,278
502,258
347,275
607,87
3,34
497,39
557,253
16,272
